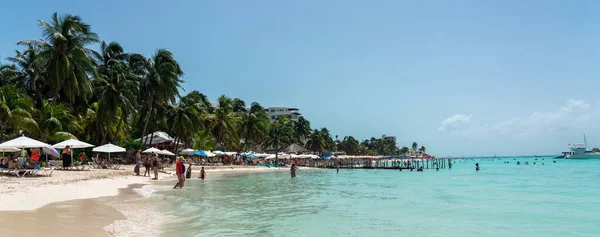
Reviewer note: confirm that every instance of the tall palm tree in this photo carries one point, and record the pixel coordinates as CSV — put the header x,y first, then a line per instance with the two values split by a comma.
x,y
327,140
184,118
203,140
30,71
239,105
280,135
160,78
15,111
414,147
422,149
68,60
254,125
222,122
116,87
301,129
315,141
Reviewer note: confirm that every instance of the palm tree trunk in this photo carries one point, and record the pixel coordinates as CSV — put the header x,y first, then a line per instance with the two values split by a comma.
x,y
118,127
143,143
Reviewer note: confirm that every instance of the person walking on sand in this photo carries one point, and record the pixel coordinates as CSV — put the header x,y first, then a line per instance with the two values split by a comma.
x,y
293,170
180,172
202,173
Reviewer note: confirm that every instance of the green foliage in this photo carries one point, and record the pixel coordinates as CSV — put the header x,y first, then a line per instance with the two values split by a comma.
x,y
58,87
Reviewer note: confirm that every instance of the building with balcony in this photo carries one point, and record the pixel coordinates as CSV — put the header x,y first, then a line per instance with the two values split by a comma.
x,y
290,113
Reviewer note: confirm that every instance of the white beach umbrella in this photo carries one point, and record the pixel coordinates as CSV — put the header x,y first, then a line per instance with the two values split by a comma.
x,y
24,142
209,154
166,153
152,150
9,149
73,144
109,148
186,152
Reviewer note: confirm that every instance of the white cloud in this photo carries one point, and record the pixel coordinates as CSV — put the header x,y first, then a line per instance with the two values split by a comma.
x,y
455,121
575,114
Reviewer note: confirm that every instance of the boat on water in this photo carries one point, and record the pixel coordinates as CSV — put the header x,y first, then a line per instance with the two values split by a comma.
x,y
580,151
565,155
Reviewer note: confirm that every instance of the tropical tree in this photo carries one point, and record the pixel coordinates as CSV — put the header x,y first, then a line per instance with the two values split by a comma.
x,y
349,145
222,122
414,147
15,111
160,78
116,88
280,135
56,122
301,129
404,150
316,141
30,71
203,140
6,73
184,118
422,149
254,125
327,140
68,60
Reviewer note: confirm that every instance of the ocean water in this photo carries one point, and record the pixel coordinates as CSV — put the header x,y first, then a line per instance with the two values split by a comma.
x,y
554,199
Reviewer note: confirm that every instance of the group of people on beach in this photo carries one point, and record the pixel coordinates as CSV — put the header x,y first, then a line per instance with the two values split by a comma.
x,y
22,160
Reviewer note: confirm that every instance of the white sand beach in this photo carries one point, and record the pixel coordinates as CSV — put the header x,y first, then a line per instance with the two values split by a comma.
x,y
92,192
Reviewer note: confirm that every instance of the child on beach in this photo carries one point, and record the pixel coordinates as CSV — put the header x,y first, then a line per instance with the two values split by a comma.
x,y
202,173
188,173
138,163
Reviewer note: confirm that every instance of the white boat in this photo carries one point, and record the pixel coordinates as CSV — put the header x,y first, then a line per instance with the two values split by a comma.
x,y
580,151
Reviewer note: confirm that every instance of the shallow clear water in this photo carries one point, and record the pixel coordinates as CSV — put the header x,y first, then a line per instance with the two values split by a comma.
x,y
555,199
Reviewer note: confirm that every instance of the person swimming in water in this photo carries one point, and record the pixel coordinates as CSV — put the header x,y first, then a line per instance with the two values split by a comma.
x,y
518,163
554,162
477,166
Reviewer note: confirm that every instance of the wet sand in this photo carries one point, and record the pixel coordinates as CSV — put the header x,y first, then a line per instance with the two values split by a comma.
x,y
85,217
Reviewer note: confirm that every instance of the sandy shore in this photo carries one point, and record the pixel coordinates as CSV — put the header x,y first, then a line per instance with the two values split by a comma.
x,y
102,200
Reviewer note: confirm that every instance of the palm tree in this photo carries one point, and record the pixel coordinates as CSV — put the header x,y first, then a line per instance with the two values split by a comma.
x,y
6,73
203,140
316,141
222,122
327,140
422,149
301,129
239,105
15,111
160,78
56,122
184,118
30,73
414,147
254,125
116,88
68,61
280,135
404,150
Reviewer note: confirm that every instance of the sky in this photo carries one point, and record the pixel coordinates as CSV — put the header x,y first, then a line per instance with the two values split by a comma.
x,y
461,78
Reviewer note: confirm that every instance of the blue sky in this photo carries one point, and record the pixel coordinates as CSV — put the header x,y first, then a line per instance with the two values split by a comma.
x,y
460,77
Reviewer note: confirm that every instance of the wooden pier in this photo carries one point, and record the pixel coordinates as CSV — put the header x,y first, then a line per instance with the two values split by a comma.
x,y
377,163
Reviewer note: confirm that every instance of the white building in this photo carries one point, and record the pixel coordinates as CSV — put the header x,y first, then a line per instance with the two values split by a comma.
x,y
290,113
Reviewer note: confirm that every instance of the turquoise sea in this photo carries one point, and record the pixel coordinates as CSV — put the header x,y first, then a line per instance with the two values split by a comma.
x,y
554,199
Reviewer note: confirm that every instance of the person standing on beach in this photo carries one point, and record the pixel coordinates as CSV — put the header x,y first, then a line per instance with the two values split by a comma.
x,y
180,172
155,165
138,163
188,173
293,170
202,173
